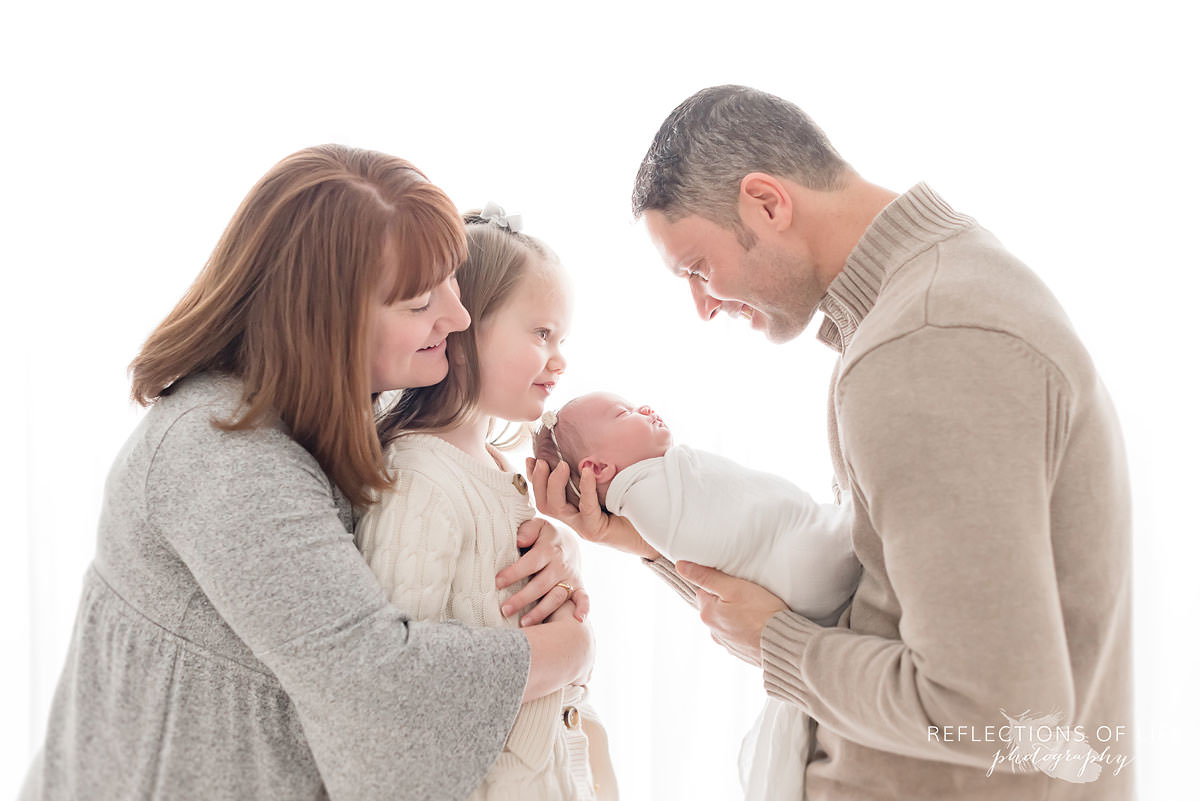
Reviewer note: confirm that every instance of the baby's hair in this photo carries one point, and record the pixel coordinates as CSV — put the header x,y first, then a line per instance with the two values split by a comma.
x,y
562,444
498,258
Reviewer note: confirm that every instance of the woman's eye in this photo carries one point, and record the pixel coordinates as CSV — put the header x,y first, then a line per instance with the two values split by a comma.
x,y
424,306
542,334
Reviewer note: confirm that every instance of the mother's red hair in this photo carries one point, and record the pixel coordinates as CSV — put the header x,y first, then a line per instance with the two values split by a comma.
x,y
284,301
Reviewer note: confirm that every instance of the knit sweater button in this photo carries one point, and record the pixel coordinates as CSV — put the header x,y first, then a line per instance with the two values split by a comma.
x,y
571,717
519,483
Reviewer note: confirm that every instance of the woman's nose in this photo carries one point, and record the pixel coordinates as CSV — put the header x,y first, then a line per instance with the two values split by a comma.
x,y
454,316
557,363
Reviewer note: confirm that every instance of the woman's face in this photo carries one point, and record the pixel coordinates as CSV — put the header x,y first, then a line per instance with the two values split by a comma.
x,y
407,339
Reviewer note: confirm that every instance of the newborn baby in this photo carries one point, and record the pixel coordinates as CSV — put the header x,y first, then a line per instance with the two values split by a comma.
x,y
693,505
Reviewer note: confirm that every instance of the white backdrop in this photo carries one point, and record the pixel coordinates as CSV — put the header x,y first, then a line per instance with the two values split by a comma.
x,y
133,130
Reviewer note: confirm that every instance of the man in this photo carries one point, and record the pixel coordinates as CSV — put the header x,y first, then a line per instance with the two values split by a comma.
x,y
986,653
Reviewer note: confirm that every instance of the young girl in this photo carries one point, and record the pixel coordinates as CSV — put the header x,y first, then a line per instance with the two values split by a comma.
x,y
437,539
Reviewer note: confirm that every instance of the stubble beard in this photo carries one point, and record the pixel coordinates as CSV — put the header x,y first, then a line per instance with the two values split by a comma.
x,y
797,294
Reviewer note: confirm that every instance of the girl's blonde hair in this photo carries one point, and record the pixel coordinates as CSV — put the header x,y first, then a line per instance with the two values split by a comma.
x,y
283,302
498,258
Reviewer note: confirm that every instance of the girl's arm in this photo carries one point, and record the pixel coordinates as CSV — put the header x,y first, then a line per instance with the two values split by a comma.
x,y
411,541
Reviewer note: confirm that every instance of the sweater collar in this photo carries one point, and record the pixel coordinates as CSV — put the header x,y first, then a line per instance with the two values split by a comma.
x,y
499,477
908,225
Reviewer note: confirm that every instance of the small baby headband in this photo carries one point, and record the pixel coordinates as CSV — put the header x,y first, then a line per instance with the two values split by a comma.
x,y
494,213
549,421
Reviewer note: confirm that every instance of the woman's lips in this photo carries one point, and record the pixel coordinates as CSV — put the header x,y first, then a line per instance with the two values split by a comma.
x,y
546,387
433,348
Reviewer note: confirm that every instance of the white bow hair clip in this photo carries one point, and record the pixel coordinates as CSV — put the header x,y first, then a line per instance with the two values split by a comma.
x,y
494,213
549,421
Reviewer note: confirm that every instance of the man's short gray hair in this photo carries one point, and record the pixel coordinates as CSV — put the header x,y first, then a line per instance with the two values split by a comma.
x,y
716,137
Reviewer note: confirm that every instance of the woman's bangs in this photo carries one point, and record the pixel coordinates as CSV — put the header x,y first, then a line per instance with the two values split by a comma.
x,y
430,242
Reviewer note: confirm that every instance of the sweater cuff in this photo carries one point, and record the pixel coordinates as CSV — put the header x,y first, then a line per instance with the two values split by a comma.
x,y
664,568
784,641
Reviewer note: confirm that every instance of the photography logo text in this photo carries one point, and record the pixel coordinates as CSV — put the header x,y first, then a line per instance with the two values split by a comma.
x,y
1028,743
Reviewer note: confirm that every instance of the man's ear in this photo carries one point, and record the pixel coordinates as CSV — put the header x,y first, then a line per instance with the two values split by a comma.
x,y
603,471
764,202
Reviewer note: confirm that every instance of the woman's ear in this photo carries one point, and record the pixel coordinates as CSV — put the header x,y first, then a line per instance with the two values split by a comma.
x,y
603,471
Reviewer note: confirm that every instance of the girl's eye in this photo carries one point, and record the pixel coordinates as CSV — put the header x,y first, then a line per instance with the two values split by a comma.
x,y
542,334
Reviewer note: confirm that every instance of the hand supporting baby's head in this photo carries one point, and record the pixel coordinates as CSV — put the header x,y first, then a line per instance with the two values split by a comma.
x,y
601,433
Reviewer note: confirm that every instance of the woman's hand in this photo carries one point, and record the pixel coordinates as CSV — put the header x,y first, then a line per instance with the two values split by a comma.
x,y
561,651
588,519
552,559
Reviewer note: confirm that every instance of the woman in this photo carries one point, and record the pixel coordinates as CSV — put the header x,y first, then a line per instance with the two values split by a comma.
x,y
231,643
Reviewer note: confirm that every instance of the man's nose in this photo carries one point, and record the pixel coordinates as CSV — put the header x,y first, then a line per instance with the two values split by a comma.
x,y
706,306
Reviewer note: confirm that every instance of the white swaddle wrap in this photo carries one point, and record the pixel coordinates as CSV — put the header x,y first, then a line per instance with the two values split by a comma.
x,y
704,508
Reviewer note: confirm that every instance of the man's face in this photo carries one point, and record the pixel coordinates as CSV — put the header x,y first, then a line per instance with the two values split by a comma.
x,y
774,284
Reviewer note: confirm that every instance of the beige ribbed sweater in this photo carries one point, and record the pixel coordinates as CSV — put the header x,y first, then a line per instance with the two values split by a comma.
x,y
992,518
436,541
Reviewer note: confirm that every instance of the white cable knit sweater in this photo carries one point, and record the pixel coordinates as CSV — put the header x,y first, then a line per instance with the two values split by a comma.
x,y
436,542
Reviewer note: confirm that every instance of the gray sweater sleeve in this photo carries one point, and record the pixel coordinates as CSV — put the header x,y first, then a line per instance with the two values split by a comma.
x,y
390,708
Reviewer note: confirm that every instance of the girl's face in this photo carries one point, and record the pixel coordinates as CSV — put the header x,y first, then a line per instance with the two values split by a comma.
x,y
520,356
407,340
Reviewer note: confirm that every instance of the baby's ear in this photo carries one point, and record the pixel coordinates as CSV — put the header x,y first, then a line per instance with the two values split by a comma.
x,y
604,472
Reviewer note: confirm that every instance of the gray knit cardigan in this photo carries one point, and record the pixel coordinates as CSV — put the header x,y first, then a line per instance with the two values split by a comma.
x,y
231,642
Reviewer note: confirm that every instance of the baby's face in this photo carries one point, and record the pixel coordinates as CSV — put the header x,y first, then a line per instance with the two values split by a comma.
x,y
617,432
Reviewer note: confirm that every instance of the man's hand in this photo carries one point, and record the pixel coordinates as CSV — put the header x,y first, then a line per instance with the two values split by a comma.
x,y
553,557
588,519
734,609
